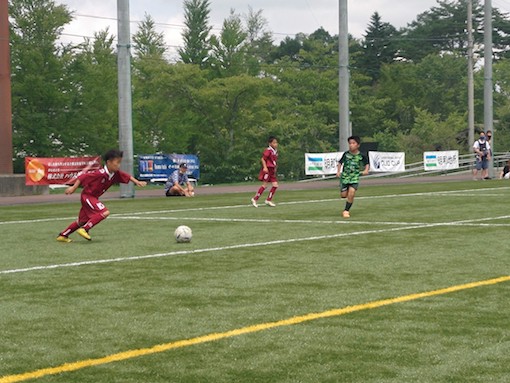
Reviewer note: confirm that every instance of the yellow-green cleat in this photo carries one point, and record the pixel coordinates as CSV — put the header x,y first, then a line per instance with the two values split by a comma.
x,y
81,231
63,239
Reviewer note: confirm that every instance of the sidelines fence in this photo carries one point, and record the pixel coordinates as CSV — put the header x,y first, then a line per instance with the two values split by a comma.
x,y
466,164
416,169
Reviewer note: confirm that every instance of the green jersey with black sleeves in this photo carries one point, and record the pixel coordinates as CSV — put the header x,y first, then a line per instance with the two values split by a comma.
x,y
353,166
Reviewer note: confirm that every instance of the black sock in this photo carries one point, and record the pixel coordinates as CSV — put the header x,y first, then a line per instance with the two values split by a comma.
x,y
348,206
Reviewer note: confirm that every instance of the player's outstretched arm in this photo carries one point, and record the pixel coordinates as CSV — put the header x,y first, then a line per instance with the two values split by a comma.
x,y
72,189
137,182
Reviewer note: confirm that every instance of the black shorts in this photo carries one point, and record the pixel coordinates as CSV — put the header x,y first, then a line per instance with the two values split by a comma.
x,y
168,194
345,187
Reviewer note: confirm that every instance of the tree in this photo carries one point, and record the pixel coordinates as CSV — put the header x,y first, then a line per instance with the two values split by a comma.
x,y
442,29
228,49
148,42
40,91
289,47
196,34
502,104
94,110
259,41
437,85
378,47
431,132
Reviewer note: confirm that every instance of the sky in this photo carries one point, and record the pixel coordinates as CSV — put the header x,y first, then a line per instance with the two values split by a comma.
x,y
285,17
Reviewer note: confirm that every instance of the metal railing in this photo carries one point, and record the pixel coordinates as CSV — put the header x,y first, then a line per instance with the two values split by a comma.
x,y
416,169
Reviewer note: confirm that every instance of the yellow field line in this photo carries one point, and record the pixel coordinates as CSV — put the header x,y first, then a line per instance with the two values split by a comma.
x,y
68,367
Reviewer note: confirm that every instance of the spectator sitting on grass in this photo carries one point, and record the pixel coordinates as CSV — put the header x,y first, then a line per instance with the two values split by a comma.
x,y
505,173
178,184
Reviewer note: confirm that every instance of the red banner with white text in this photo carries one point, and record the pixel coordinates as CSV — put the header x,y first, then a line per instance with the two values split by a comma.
x,y
58,171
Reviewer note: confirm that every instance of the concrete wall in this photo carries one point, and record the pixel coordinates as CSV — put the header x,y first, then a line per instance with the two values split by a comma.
x,y
12,185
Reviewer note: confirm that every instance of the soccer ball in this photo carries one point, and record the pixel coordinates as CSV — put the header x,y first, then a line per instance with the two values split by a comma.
x,y
183,234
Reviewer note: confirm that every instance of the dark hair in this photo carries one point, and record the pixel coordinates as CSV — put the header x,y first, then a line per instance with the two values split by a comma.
x,y
355,138
112,154
271,139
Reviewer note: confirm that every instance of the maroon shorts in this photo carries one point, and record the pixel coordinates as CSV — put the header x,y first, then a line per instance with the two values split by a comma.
x,y
90,206
270,176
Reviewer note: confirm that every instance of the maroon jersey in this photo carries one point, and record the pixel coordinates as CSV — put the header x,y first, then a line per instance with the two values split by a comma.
x,y
270,155
95,183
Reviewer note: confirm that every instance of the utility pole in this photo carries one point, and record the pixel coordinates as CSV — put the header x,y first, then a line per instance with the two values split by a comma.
x,y
124,90
487,89
5,92
471,86
343,77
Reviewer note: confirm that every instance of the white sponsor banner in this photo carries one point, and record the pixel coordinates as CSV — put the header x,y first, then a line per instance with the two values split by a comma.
x,y
441,160
385,162
321,163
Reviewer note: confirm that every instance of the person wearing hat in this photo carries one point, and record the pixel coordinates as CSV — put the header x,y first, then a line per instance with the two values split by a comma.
x,y
178,184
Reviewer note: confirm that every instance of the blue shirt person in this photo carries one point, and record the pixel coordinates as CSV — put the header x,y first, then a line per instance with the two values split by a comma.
x,y
178,184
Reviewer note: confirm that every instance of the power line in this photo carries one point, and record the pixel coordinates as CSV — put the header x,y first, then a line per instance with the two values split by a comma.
x,y
114,39
168,25
313,13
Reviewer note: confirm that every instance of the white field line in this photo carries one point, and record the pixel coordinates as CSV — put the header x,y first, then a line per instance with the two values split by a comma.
x,y
311,221
240,246
473,195
36,220
452,193
256,220
426,194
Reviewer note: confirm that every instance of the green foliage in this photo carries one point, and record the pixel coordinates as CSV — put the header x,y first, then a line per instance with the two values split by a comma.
x,y
196,34
379,47
430,132
147,41
228,49
94,76
231,90
40,92
502,105
259,41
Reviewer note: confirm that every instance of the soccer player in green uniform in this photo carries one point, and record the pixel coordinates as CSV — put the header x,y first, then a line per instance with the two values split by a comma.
x,y
349,168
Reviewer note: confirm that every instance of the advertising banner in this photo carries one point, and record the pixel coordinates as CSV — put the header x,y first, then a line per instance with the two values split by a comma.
x,y
58,171
162,165
321,163
441,160
387,162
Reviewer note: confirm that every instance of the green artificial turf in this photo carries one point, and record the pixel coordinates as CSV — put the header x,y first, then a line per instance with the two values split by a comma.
x,y
57,315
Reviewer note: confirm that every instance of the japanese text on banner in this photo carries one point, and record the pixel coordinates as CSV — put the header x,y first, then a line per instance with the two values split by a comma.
x,y
446,160
321,163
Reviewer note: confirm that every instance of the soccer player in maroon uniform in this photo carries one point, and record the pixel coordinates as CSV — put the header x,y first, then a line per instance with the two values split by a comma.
x,y
268,172
94,184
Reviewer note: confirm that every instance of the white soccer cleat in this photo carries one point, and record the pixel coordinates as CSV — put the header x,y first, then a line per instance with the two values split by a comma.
x,y
254,202
270,203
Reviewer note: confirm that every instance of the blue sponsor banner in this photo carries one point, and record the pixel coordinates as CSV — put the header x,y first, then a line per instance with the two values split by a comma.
x,y
162,165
